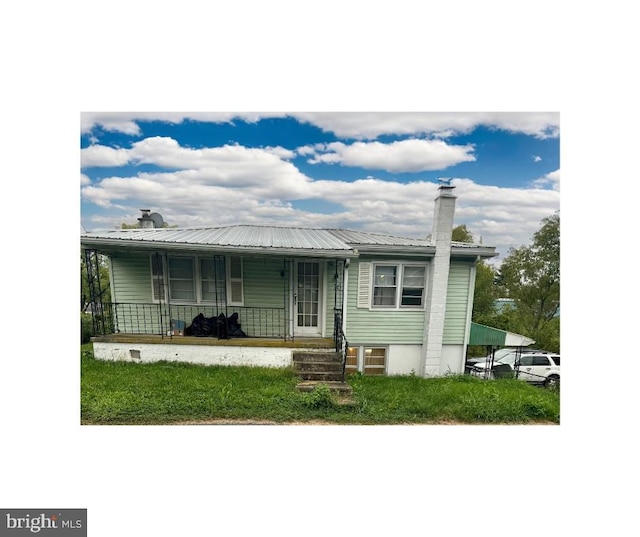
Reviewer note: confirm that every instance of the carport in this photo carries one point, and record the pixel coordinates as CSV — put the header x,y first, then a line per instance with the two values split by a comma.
x,y
495,338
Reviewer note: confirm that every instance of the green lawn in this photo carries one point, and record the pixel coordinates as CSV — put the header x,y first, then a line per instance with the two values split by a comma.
x,y
171,392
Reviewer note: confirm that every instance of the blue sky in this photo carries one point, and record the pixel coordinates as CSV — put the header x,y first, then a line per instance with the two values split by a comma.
x,y
372,171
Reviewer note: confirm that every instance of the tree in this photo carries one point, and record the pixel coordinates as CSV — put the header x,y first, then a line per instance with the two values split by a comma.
x,y
486,292
485,295
461,234
531,276
103,274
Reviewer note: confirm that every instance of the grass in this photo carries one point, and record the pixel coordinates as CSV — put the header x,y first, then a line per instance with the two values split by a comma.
x,y
173,392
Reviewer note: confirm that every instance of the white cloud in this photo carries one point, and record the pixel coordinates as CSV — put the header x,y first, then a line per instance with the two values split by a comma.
x,y
84,180
411,155
103,156
551,179
230,165
502,217
126,122
537,158
233,184
280,152
357,125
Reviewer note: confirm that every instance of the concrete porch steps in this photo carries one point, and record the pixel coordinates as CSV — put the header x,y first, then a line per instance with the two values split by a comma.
x,y
319,365
341,388
315,367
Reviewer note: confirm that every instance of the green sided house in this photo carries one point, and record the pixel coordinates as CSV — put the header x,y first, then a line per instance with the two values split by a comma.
x,y
256,295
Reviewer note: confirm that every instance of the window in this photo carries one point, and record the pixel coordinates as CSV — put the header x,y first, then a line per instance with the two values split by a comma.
x,y
541,360
351,365
384,285
236,287
212,279
374,360
197,279
526,359
412,286
181,279
157,278
398,285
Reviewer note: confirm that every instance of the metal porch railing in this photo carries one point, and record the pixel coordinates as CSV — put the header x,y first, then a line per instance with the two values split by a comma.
x,y
166,319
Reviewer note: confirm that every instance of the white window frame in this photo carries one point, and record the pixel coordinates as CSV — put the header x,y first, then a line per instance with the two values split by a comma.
x,y
400,270
200,281
154,277
358,367
194,280
235,280
364,358
197,280
361,357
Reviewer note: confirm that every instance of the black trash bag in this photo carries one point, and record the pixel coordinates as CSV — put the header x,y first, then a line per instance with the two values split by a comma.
x,y
218,326
200,327
233,326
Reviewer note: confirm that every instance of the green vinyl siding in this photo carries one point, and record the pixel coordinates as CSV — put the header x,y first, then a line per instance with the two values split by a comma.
x,y
266,288
380,327
131,277
131,290
455,319
264,284
406,326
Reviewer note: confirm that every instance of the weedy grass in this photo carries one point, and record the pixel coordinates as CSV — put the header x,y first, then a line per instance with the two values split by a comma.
x,y
173,392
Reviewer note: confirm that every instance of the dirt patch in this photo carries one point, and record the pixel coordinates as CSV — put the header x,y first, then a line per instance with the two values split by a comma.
x,y
252,422
223,421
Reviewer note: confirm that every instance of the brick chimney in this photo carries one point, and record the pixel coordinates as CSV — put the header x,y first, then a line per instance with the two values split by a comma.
x,y
438,281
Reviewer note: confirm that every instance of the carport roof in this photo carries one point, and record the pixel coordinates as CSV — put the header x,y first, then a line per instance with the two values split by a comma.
x,y
487,335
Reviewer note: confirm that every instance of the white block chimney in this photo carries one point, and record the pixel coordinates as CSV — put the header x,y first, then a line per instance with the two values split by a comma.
x,y
145,220
438,281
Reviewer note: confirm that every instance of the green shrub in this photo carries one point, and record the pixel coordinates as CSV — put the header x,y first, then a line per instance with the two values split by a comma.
x,y
319,397
86,328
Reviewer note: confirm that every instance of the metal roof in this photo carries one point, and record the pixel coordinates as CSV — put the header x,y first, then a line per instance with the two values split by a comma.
x,y
269,238
487,335
363,238
232,236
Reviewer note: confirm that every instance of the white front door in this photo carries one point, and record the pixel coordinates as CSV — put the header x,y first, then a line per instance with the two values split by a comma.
x,y
308,298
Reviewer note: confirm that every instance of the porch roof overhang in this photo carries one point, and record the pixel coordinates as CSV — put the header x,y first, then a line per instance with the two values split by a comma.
x,y
112,246
487,335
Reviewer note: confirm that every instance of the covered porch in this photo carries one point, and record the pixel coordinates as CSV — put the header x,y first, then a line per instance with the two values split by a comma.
x,y
249,300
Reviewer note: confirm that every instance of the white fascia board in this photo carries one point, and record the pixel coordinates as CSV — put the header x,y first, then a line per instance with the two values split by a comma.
x,y
126,245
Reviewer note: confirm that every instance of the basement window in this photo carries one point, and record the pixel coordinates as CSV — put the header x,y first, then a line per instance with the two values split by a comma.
x,y
375,360
351,365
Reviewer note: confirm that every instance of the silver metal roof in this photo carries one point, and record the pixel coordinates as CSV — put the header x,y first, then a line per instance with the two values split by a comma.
x,y
265,238
363,238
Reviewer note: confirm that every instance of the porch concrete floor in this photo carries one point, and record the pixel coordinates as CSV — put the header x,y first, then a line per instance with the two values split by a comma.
x,y
299,343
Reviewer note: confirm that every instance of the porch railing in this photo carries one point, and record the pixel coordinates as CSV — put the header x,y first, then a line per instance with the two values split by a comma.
x,y
340,339
163,319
